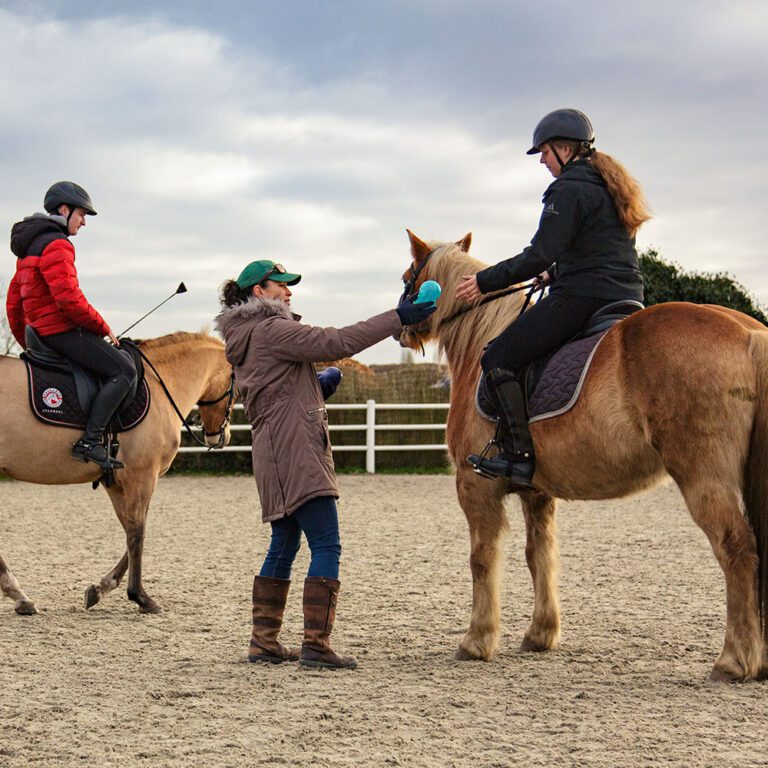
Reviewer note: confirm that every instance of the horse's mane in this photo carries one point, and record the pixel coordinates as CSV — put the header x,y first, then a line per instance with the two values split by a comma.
x,y
465,336
177,340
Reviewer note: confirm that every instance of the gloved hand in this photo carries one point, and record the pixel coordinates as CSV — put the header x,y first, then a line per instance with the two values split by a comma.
x,y
328,380
411,313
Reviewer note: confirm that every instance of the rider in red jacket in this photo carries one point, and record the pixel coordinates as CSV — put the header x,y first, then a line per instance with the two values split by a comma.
x,y
45,294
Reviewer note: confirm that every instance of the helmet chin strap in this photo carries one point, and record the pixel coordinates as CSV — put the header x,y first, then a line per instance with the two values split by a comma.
x,y
557,156
574,156
69,215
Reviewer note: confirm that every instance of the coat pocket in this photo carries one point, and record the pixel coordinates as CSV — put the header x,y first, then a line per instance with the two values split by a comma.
x,y
317,423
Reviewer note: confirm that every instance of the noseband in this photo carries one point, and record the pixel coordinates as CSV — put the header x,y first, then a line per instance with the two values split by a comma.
x,y
230,395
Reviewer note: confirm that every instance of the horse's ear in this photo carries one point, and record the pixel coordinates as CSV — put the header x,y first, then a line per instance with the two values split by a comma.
x,y
419,249
465,242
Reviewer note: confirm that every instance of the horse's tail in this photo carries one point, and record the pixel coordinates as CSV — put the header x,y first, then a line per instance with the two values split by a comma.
x,y
756,480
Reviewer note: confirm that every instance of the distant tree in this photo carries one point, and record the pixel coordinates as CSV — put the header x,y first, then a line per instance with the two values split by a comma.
x,y
8,345
669,282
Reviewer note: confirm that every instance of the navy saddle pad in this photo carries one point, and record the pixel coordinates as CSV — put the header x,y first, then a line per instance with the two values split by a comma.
x,y
53,396
553,383
61,392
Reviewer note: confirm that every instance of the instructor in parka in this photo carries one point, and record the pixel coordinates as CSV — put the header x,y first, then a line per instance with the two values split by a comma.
x,y
273,355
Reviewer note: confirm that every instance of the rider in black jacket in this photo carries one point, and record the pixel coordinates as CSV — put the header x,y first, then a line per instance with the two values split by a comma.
x,y
584,249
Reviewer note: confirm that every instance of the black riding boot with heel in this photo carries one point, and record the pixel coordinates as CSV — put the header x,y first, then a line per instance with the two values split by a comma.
x,y
90,446
516,460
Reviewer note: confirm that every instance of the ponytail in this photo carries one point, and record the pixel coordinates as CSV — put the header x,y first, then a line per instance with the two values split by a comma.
x,y
231,294
627,195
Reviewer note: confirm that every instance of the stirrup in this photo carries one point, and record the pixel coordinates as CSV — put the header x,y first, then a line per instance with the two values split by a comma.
x,y
501,468
477,461
518,473
96,453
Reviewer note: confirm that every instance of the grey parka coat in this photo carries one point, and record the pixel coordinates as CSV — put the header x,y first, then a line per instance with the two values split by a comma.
x,y
273,355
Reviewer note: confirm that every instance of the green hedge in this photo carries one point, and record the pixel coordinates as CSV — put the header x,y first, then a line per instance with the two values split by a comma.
x,y
668,282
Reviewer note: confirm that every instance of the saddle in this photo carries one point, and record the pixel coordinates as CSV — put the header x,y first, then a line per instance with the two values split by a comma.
x,y
552,384
61,392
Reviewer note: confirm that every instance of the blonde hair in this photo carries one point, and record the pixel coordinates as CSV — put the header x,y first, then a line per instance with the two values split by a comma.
x,y
625,190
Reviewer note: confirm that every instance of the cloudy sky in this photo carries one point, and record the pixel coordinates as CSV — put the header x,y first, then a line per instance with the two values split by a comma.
x,y
313,133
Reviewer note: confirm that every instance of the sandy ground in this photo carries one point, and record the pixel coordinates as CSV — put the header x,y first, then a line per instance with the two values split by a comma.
x,y
643,620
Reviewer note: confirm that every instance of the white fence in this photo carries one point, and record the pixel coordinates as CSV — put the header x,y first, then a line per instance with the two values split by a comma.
x,y
370,428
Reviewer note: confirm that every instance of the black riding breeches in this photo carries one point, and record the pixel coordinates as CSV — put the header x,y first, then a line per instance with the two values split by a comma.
x,y
92,352
547,325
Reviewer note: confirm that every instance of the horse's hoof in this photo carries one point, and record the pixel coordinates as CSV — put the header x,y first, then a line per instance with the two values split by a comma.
x,y
92,596
462,654
530,645
720,675
25,608
150,607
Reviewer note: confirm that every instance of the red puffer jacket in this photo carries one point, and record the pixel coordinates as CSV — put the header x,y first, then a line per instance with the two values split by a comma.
x,y
44,292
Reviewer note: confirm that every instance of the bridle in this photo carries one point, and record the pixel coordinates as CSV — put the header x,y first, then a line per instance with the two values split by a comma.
x,y
413,276
229,394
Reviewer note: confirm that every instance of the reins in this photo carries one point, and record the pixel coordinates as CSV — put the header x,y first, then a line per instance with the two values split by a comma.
x,y
410,284
508,292
230,394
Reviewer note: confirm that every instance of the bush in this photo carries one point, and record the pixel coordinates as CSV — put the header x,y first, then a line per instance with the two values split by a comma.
x,y
669,282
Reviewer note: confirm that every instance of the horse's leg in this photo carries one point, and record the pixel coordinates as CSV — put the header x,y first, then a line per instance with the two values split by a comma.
x,y
11,588
483,505
131,502
543,557
717,511
107,583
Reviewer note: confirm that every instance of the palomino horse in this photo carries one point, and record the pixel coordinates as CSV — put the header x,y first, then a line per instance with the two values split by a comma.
x,y
676,389
194,370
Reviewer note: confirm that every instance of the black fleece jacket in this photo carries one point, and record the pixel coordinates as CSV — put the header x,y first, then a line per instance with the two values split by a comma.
x,y
580,232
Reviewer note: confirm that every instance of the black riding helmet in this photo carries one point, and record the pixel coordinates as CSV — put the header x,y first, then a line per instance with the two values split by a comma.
x,y
562,124
68,193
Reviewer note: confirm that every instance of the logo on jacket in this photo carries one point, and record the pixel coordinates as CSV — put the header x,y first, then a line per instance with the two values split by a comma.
x,y
52,397
551,209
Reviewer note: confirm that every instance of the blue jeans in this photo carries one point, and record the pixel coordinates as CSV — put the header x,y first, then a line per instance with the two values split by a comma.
x,y
319,521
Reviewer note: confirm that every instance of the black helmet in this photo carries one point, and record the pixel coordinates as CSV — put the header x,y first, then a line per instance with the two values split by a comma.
x,y
68,193
562,124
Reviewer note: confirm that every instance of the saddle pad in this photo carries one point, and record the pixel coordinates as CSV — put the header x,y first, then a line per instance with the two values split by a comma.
x,y
562,378
53,398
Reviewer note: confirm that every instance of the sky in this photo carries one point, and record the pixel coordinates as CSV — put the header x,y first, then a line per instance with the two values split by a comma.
x,y
313,133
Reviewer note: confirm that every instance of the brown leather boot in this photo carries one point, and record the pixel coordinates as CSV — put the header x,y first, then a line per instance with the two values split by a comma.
x,y
320,595
269,596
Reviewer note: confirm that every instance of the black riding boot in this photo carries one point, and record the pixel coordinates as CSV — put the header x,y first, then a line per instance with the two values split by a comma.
x,y
516,460
90,446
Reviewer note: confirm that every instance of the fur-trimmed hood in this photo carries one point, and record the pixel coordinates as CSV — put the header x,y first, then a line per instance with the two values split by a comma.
x,y
252,308
234,322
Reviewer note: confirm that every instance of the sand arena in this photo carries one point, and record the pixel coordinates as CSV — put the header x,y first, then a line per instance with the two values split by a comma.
x,y
643,619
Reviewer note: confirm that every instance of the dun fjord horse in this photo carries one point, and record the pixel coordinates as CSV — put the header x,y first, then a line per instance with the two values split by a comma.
x,y
194,370
676,389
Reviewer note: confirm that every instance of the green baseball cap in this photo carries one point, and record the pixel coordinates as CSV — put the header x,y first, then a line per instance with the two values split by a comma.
x,y
258,271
